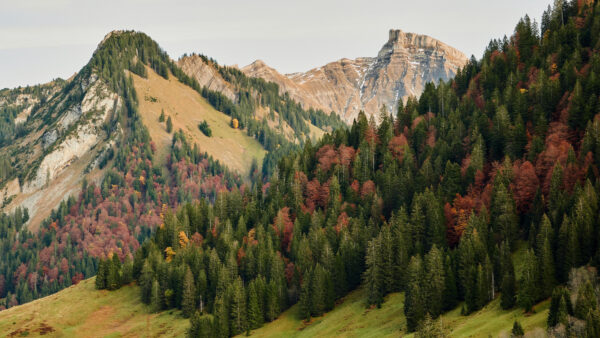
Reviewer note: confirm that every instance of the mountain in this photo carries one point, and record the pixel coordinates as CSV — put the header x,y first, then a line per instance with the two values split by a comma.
x,y
405,63
88,164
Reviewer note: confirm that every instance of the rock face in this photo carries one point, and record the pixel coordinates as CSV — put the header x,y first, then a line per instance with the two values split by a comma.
x,y
207,76
403,66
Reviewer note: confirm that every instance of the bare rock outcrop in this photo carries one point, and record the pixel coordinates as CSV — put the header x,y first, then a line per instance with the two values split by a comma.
x,y
405,63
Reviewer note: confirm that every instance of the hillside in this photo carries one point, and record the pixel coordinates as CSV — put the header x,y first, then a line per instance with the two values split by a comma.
x,y
350,318
81,310
188,108
87,169
405,63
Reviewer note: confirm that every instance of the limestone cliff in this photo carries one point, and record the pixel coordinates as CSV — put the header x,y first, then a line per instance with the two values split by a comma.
x,y
405,63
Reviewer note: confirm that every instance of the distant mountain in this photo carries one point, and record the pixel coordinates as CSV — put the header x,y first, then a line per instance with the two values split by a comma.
x,y
405,63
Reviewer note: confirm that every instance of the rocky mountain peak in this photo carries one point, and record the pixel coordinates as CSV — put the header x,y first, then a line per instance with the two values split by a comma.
x,y
404,64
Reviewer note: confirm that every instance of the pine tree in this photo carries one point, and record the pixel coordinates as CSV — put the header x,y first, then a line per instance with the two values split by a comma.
x,y
272,301
146,282
528,288
560,307
237,307
545,258
508,285
201,326
113,279
434,287
586,301
169,125
414,303
450,289
373,274
221,318
430,328
188,298
161,118
592,326
101,276
254,312
155,298
517,330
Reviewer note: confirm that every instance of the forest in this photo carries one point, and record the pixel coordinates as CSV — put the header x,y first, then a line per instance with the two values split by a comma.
x,y
433,201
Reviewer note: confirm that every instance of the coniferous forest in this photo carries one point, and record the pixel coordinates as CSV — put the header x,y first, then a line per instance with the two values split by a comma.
x,y
485,186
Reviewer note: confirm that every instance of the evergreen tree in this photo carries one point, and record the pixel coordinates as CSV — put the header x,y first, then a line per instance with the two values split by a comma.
x,y
201,326
101,275
146,282
169,125
586,301
414,303
113,279
237,307
434,287
188,301
528,288
560,307
508,285
517,330
155,298
254,312
373,275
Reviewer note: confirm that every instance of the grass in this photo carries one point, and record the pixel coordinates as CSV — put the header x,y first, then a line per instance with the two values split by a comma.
x,y
352,318
83,311
187,109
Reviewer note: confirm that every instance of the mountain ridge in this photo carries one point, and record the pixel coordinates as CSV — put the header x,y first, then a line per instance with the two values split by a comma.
x,y
402,67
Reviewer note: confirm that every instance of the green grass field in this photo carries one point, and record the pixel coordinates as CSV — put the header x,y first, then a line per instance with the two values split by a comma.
x,y
83,311
352,319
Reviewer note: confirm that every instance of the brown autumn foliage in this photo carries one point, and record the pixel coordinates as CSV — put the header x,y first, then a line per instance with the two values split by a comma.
x,y
525,185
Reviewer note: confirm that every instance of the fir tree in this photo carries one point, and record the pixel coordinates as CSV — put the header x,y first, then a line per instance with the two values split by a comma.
x,y
414,303
188,301
169,125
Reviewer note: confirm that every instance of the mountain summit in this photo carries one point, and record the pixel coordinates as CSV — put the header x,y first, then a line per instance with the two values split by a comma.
x,y
405,63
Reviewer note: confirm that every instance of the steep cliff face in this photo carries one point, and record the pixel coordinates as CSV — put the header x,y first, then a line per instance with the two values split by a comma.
x,y
403,66
207,76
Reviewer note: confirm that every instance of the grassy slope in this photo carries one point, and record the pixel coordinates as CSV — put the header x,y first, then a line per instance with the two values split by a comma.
x,y
352,319
81,310
187,109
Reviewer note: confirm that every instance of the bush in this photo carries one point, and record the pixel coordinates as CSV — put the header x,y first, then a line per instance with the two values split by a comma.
x,y
205,128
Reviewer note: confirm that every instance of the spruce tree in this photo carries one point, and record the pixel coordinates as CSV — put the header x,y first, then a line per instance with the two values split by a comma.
x,y
517,330
560,307
434,287
586,301
188,298
508,284
528,288
373,274
155,298
254,312
146,280
237,307
414,299
169,125
113,279
101,275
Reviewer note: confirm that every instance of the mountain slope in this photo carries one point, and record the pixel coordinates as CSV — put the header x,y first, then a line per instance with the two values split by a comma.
x,y
403,66
188,108
81,310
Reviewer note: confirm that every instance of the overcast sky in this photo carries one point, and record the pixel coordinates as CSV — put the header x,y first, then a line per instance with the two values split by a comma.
x,y
44,39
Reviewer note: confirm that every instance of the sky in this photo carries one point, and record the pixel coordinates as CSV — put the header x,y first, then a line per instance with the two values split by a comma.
x,y
44,39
